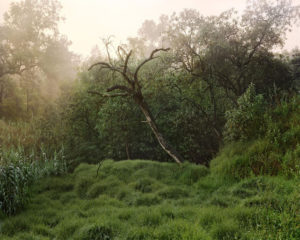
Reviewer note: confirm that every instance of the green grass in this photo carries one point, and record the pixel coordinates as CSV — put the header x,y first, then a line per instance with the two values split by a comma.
x,y
268,144
143,200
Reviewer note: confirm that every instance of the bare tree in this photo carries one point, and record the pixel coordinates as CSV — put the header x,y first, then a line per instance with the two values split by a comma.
x,y
132,88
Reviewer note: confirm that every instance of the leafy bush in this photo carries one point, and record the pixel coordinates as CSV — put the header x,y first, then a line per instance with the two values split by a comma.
x,y
246,121
271,148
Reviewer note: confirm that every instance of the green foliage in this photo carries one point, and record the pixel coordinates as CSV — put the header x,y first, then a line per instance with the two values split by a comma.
x,y
82,187
14,181
173,193
247,120
18,173
98,233
193,173
269,141
251,190
96,189
33,49
38,136
226,231
32,60
15,225
144,185
193,99
256,207
116,128
148,200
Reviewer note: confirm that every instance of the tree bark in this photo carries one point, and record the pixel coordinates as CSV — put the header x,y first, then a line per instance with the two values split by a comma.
x,y
127,150
1,92
151,121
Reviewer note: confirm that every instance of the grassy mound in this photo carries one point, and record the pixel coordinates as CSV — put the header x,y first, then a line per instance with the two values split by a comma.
x,y
137,200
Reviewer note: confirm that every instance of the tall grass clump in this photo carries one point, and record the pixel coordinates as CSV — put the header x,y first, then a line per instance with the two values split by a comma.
x,y
15,177
28,152
18,172
32,136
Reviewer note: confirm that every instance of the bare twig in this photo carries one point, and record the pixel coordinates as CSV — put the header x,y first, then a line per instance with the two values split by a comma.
x,y
126,62
114,69
100,63
147,60
99,165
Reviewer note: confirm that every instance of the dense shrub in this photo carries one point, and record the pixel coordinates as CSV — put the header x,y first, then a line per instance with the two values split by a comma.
x,y
246,121
268,142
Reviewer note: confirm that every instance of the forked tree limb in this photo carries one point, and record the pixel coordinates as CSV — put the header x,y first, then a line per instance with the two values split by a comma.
x,y
119,87
126,62
147,60
114,69
120,54
134,90
16,70
100,63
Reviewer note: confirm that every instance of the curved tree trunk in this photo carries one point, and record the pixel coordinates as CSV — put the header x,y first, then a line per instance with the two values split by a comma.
x,y
151,121
133,89
127,150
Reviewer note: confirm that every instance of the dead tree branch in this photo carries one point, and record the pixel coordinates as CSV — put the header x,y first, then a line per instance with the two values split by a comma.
x,y
134,90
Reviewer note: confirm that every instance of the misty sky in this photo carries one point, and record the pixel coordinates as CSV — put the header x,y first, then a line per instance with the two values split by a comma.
x,y
88,21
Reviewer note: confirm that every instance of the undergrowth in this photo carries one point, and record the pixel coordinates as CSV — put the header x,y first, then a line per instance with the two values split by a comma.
x,y
19,171
260,144
137,200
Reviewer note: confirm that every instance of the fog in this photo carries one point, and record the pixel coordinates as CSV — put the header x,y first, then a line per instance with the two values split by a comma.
x,y
87,22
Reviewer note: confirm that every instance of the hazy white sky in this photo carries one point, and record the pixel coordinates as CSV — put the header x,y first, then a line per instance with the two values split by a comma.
x,y
88,21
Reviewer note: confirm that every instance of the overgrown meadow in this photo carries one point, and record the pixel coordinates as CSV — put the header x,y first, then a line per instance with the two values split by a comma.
x,y
188,131
142,199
